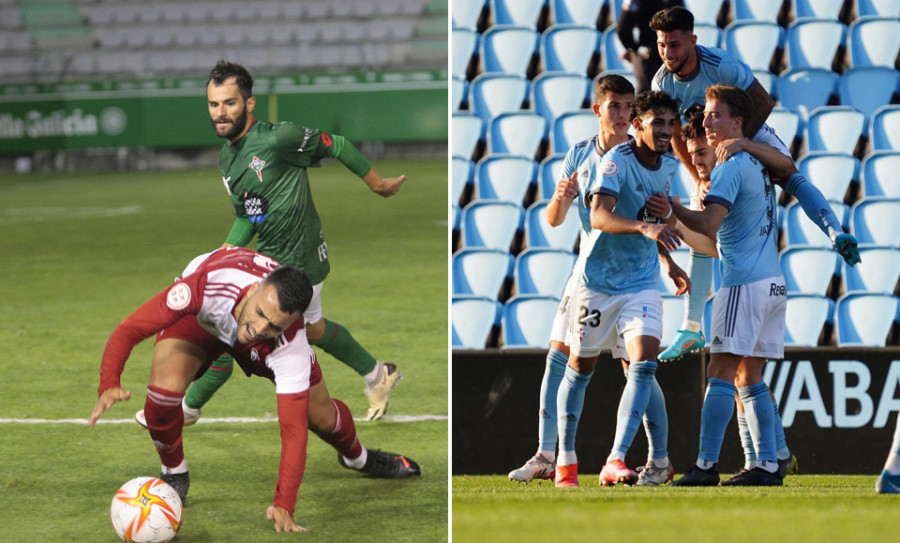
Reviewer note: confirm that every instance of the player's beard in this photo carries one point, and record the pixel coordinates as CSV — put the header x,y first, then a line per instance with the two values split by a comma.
x,y
236,127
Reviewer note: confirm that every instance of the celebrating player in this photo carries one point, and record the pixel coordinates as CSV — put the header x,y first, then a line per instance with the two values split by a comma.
x,y
889,480
242,302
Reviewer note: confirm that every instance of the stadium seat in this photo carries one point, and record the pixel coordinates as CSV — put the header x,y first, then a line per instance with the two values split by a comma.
x,y
466,133
539,233
864,320
682,184
473,318
867,89
812,43
585,12
460,175
465,13
876,220
492,225
549,174
802,91
879,174
754,42
831,173
507,49
800,230
571,128
458,88
481,272
569,48
555,93
454,217
516,133
822,9
612,50
516,12
874,41
834,129
705,11
463,41
681,257
504,177
805,315
879,273
493,94
881,8
708,35
527,320
672,318
884,129
786,124
808,270
543,271
757,10
767,80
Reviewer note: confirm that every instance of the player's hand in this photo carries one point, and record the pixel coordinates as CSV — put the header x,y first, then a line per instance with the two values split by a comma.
x,y
727,148
658,206
567,188
846,246
626,55
679,277
283,520
106,400
669,236
390,185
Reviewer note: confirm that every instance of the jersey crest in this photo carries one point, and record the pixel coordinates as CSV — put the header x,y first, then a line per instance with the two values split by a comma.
x,y
257,165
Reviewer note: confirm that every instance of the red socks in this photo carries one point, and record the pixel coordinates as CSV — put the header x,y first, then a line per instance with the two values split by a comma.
x,y
343,436
165,420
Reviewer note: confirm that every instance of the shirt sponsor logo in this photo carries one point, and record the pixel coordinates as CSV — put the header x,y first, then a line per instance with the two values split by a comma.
x,y
257,165
777,290
179,297
256,206
610,167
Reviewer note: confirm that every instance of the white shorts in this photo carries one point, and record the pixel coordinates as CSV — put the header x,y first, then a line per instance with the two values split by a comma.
x,y
609,321
313,313
748,320
560,328
767,135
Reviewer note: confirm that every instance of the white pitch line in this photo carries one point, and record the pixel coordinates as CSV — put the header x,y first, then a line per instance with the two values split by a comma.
x,y
227,420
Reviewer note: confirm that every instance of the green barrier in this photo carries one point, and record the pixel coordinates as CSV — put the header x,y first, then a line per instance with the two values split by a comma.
x,y
364,106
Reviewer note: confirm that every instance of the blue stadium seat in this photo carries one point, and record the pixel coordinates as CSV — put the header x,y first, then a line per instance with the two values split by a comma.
x,y
831,173
572,127
799,230
864,320
874,41
454,217
767,80
876,220
473,318
467,130
757,10
585,12
682,184
834,129
527,321
612,49
882,8
867,89
539,233
708,35
569,47
464,40
705,11
549,173
786,124
493,94
543,271
492,225
516,12
504,177
884,129
879,174
754,42
823,9
672,318
465,12
802,91
458,91
555,93
879,273
481,272
516,133
681,257
461,171
808,270
508,49
812,43
805,315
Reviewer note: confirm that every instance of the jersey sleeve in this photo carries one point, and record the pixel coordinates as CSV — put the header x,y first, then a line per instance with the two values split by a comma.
x,y
568,164
724,184
293,420
605,178
732,71
291,360
300,146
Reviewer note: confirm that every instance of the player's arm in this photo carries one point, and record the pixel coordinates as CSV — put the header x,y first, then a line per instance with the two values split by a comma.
x,y
678,276
293,419
561,201
761,109
705,222
778,164
241,234
603,218
661,206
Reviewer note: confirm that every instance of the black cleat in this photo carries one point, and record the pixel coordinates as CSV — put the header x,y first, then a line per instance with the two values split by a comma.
x,y
181,482
730,480
699,477
754,477
386,465
788,466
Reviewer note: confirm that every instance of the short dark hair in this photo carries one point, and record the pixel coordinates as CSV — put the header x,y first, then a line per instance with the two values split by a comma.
x,y
612,83
738,101
293,286
655,101
224,70
693,128
673,18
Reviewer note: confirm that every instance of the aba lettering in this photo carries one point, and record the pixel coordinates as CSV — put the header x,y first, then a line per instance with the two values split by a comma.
x,y
256,206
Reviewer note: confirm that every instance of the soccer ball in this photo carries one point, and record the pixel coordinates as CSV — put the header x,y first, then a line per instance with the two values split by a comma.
x,y
146,510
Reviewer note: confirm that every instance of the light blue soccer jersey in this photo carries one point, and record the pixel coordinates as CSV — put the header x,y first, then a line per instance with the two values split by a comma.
x,y
621,263
747,237
577,156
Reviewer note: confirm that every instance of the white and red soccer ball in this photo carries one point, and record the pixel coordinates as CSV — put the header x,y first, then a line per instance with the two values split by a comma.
x,y
146,510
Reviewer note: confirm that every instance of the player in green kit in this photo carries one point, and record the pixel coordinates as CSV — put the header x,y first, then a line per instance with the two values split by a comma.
x,y
264,168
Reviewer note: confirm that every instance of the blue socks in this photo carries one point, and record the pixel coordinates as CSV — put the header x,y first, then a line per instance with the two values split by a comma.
x,y
569,402
700,269
553,375
814,204
633,404
718,406
761,420
656,423
746,441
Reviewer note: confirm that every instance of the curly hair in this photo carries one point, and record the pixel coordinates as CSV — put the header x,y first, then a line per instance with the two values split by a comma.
x,y
653,101
671,19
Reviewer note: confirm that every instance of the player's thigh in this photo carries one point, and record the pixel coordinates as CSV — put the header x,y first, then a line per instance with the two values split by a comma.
x,y
592,322
640,324
767,136
175,363
561,318
749,372
322,413
315,322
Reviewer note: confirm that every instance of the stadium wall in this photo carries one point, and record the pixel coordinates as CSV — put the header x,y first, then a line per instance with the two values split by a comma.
x,y
170,113
838,407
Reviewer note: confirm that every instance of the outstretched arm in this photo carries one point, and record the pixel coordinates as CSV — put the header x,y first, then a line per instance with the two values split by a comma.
x,y
603,218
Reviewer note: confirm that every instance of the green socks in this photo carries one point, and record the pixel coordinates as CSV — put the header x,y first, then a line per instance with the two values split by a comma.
x,y
338,342
203,388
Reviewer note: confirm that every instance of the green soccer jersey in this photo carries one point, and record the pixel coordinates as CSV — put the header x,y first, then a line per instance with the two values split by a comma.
x,y
265,174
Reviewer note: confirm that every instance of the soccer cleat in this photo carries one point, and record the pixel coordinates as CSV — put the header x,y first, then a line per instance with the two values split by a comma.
x,y
730,480
650,475
566,475
699,477
788,466
887,483
754,477
379,393
181,482
537,467
386,465
191,415
846,246
685,342
617,473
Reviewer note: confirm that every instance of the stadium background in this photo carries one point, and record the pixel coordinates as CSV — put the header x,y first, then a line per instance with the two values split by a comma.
x,y
523,69
108,167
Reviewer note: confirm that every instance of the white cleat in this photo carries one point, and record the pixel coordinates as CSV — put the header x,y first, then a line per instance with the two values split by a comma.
x,y
380,393
190,415
537,467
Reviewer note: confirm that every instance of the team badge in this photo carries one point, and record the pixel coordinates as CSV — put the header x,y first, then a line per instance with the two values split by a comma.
x,y
257,165
610,168
179,297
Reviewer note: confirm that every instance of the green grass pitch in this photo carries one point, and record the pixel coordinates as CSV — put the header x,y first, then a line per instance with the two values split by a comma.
x,y
809,508
80,252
